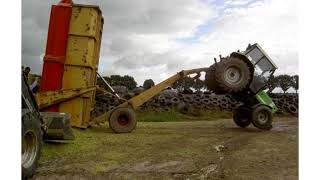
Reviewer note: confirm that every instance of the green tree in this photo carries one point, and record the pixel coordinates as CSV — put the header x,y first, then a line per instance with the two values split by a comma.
x,y
148,83
272,83
198,84
129,82
184,83
117,80
284,82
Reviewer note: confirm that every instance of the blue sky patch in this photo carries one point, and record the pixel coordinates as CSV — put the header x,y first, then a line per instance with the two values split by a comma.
x,y
208,26
201,30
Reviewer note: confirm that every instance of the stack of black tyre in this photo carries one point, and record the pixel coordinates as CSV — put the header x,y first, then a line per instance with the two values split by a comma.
x,y
171,99
287,103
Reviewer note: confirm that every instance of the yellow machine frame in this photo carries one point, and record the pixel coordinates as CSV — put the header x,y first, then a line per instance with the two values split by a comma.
x,y
49,98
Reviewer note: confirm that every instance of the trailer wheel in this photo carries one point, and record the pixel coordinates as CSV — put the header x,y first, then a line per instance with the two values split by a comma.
x,y
241,116
122,120
261,117
31,144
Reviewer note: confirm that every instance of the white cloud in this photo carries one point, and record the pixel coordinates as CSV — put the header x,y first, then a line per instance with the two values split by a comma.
x,y
273,24
237,2
139,37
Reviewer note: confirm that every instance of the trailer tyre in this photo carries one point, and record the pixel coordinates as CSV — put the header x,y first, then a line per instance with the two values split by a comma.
x,y
123,120
261,117
31,145
241,116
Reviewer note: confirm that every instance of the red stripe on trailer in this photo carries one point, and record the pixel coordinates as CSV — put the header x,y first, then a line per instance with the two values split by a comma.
x,y
54,59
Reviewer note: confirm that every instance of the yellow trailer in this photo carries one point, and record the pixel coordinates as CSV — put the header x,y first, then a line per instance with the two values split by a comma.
x,y
77,95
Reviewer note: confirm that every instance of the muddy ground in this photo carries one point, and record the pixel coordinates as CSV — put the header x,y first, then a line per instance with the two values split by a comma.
x,y
176,150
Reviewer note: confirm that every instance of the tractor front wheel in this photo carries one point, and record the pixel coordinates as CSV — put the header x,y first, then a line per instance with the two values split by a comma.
x,y
122,120
261,117
241,116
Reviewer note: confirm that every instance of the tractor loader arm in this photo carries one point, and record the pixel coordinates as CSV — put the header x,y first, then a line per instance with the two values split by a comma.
x,y
140,99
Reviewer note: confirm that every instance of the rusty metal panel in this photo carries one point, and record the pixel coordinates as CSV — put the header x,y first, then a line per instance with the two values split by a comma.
x,y
77,77
82,58
85,21
81,52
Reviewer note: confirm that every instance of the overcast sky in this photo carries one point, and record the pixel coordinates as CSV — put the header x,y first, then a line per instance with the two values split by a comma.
x,y
155,39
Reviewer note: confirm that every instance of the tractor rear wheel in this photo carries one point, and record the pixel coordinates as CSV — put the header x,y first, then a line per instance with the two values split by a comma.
x,y
232,75
122,120
261,117
31,144
241,116
211,82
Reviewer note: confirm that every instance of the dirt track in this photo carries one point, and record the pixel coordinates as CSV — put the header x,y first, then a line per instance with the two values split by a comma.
x,y
177,150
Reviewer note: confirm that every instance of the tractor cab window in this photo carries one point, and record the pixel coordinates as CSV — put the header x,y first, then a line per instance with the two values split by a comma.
x,y
254,55
264,68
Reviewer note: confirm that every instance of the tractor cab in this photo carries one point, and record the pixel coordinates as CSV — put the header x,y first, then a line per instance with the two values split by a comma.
x,y
264,67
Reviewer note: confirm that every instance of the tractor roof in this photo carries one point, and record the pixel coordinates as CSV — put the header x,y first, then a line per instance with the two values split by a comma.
x,y
256,45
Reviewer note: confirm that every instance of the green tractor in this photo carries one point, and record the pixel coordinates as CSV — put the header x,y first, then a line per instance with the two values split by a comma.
x,y
244,76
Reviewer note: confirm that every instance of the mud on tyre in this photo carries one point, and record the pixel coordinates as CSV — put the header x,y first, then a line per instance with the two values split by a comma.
x,y
261,117
230,75
210,80
122,120
241,116
31,144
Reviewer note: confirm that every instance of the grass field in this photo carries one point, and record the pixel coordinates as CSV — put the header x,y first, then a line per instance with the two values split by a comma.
x,y
176,146
175,116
